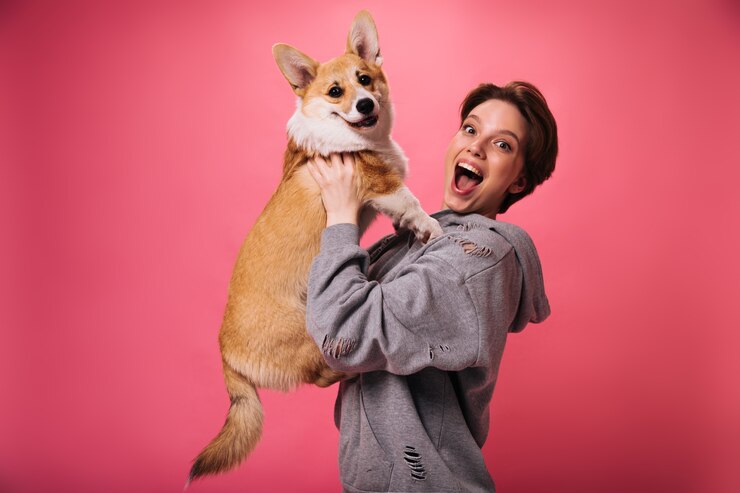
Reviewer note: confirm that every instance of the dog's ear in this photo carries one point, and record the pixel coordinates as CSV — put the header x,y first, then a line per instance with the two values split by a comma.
x,y
299,68
363,38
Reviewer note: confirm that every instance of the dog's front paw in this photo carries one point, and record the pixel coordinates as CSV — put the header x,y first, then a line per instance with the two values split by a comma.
x,y
424,227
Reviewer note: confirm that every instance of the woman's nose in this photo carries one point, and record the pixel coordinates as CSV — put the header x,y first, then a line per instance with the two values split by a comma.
x,y
476,150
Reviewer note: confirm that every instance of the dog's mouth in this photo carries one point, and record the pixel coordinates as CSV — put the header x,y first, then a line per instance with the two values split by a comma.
x,y
368,122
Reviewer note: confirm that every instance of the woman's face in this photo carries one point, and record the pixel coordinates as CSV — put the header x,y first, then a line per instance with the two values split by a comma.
x,y
485,159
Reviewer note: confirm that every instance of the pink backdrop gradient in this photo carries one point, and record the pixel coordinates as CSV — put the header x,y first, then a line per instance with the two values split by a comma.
x,y
139,141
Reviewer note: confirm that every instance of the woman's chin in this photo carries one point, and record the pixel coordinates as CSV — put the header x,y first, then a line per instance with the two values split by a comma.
x,y
457,205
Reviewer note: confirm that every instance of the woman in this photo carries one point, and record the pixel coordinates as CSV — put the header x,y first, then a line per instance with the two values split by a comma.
x,y
424,325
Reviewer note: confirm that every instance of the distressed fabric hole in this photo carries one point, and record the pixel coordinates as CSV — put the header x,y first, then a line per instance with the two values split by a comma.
x,y
439,347
470,247
469,226
336,347
413,460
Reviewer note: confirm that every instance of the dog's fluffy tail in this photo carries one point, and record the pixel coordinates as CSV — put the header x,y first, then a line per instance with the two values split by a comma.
x,y
240,433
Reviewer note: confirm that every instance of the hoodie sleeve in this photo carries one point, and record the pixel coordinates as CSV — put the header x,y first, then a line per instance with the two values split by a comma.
x,y
425,316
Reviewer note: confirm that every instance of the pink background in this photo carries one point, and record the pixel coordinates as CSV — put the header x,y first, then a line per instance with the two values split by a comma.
x,y
139,141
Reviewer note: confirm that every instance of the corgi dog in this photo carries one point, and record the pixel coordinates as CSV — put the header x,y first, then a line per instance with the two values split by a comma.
x,y
343,106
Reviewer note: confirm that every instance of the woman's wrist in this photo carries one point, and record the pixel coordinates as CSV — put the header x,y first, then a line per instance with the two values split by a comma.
x,y
340,218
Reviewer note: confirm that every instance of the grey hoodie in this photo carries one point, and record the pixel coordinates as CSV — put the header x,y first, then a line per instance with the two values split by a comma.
x,y
423,327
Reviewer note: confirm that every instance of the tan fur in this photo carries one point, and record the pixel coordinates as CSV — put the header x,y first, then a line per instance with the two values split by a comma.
x,y
263,337
268,286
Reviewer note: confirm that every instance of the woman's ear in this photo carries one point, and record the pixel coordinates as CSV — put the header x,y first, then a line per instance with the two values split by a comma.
x,y
518,185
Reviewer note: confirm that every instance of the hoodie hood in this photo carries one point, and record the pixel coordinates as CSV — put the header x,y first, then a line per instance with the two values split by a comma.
x,y
533,304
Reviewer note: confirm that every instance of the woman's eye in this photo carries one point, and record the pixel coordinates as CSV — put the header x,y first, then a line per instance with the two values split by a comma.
x,y
468,129
503,145
335,92
365,80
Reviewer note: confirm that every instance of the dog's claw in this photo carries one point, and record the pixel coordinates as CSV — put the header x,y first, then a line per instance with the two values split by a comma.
x,y
425,228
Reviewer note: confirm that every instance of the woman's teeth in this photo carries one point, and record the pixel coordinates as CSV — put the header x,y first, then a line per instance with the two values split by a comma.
x,y
470,168
467,177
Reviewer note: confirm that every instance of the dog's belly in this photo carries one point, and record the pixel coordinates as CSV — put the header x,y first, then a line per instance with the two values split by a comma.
x,y
263,335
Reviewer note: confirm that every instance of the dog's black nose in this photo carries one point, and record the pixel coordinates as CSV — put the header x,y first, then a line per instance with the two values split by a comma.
x,y
365,106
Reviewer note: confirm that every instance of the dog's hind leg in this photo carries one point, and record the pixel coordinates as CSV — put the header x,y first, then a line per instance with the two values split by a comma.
x,y
326,377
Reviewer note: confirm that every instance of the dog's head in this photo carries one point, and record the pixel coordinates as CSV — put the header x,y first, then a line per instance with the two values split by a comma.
x,y
343,104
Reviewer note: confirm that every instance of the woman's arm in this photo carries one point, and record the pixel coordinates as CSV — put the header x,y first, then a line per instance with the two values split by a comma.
x,y
424,317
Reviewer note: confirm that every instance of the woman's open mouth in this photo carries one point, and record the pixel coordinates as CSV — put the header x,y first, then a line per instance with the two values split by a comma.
x,y
466,178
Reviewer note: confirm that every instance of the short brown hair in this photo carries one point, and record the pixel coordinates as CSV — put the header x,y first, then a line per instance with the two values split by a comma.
x,y
541,147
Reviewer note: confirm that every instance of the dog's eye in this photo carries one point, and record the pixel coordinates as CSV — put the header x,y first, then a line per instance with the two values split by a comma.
x,y
365,80
335,91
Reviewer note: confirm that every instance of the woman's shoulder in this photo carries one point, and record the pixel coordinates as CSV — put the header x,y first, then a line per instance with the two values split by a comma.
x,y
470,244
487,230
475,242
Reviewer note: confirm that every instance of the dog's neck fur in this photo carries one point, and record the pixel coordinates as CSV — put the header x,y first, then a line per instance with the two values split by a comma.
x,y
326,137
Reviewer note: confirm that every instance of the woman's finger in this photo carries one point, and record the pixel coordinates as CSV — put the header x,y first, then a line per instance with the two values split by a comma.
x,y
311,166
321,166
348,159
336,163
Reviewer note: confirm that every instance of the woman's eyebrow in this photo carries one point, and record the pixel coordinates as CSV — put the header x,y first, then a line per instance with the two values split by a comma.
x,y
507,132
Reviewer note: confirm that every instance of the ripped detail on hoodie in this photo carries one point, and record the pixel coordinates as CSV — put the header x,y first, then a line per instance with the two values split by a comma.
x,y
442,348
472,225
413,460
336,347
471,247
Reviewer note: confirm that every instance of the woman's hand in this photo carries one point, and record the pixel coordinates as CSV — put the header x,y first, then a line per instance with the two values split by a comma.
x,y
337,185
